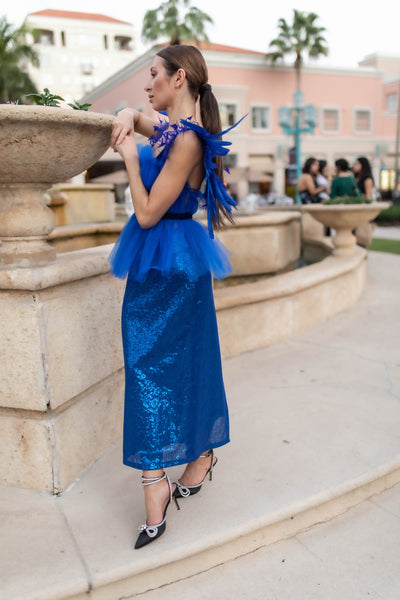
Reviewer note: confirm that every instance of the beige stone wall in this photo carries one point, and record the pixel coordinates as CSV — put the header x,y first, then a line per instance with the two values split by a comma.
x,y
89,203
48,450
62,378
262,245
263,313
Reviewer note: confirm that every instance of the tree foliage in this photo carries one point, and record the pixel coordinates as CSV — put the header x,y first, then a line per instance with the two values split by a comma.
x,y
302,36
15,55
175,21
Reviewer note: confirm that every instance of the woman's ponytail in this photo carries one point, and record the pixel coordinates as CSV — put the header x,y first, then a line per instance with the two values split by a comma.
x,y
192,61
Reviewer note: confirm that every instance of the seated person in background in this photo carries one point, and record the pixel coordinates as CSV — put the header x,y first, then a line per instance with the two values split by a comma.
x,y
363,176
322,179
307,187
344,183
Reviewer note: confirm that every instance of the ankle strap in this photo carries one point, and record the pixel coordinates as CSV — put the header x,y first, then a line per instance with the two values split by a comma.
x,y
151,480
207,455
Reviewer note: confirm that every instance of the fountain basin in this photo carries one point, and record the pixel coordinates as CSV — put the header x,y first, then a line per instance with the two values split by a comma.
x,y
45,144
40,146
261,244
344,219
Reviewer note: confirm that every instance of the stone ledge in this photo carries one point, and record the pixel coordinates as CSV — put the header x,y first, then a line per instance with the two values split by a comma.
x,y
85,229
289,283
70,266
203,554
243,219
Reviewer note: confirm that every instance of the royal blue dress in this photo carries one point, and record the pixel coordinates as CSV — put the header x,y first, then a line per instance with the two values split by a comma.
x,y
175,405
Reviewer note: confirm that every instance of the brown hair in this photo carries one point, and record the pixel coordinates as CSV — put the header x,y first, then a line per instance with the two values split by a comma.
x,y
191,60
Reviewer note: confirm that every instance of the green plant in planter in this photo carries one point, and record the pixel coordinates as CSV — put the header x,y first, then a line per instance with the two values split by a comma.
x,y
46,98
77,106
348,200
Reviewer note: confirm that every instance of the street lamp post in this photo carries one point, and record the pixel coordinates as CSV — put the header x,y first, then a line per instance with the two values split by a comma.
x,y
293,123
396,194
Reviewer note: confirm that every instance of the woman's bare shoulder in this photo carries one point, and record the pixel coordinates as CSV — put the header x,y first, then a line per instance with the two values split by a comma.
x,y
188,141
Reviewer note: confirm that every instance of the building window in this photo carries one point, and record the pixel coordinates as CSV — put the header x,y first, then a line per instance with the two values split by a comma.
x,y
63,39
330,120
105,38
362,120
391,102
228,114
260,118
87,85
45,37
87,68
44,59
122,42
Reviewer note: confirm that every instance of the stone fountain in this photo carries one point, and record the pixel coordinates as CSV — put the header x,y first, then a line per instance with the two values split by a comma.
x,y
40,146
61,364
61,368
344,219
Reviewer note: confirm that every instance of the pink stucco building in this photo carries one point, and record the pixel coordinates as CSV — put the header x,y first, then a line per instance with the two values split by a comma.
x,y
356,111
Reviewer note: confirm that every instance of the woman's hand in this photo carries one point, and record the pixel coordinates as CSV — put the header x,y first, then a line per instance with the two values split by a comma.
x,y
123,125
127,147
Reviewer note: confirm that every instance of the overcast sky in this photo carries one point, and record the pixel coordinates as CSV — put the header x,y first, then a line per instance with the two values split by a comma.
x,y
353,29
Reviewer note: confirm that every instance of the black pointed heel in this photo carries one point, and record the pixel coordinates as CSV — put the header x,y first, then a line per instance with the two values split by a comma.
x,y
149,533
183,491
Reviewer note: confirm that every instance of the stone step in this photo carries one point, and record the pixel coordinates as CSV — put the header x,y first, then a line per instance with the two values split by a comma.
x,y
314,432
353,556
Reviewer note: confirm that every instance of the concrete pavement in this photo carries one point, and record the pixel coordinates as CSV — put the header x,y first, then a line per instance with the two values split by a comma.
x,y
391,232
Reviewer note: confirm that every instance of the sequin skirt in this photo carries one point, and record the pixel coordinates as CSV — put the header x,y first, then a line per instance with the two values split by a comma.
x,y
175,405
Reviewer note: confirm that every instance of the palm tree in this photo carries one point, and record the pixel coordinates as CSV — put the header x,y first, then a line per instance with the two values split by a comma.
x,y
302,36
15,53
175,20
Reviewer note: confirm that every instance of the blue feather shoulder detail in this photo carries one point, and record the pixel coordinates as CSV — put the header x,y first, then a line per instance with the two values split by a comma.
x,y
215,191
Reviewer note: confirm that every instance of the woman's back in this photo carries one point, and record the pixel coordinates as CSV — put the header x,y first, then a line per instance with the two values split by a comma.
x,y
344,185
177,243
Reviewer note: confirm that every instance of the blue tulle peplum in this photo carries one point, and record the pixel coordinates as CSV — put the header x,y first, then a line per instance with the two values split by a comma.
x,y
176,245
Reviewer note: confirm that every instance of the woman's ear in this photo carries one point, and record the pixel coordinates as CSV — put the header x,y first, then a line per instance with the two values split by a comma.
x,y
180,77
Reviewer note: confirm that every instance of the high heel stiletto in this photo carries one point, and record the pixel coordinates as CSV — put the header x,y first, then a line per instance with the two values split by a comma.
x,y
149,533
184,491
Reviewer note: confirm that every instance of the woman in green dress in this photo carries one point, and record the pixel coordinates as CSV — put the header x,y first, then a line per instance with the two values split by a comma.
x,y
344,183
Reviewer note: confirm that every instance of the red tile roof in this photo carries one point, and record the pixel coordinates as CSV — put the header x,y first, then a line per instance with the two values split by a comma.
x,y
66,14
222,48
203,45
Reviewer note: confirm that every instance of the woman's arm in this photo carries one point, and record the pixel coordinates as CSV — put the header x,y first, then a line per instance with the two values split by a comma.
x,y
130,119
185,153
310,185
369,186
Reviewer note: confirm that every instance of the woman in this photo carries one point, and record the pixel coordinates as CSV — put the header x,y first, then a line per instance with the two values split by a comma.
x,y
363,176
365,184
344,183
175,406
322,179
309,190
